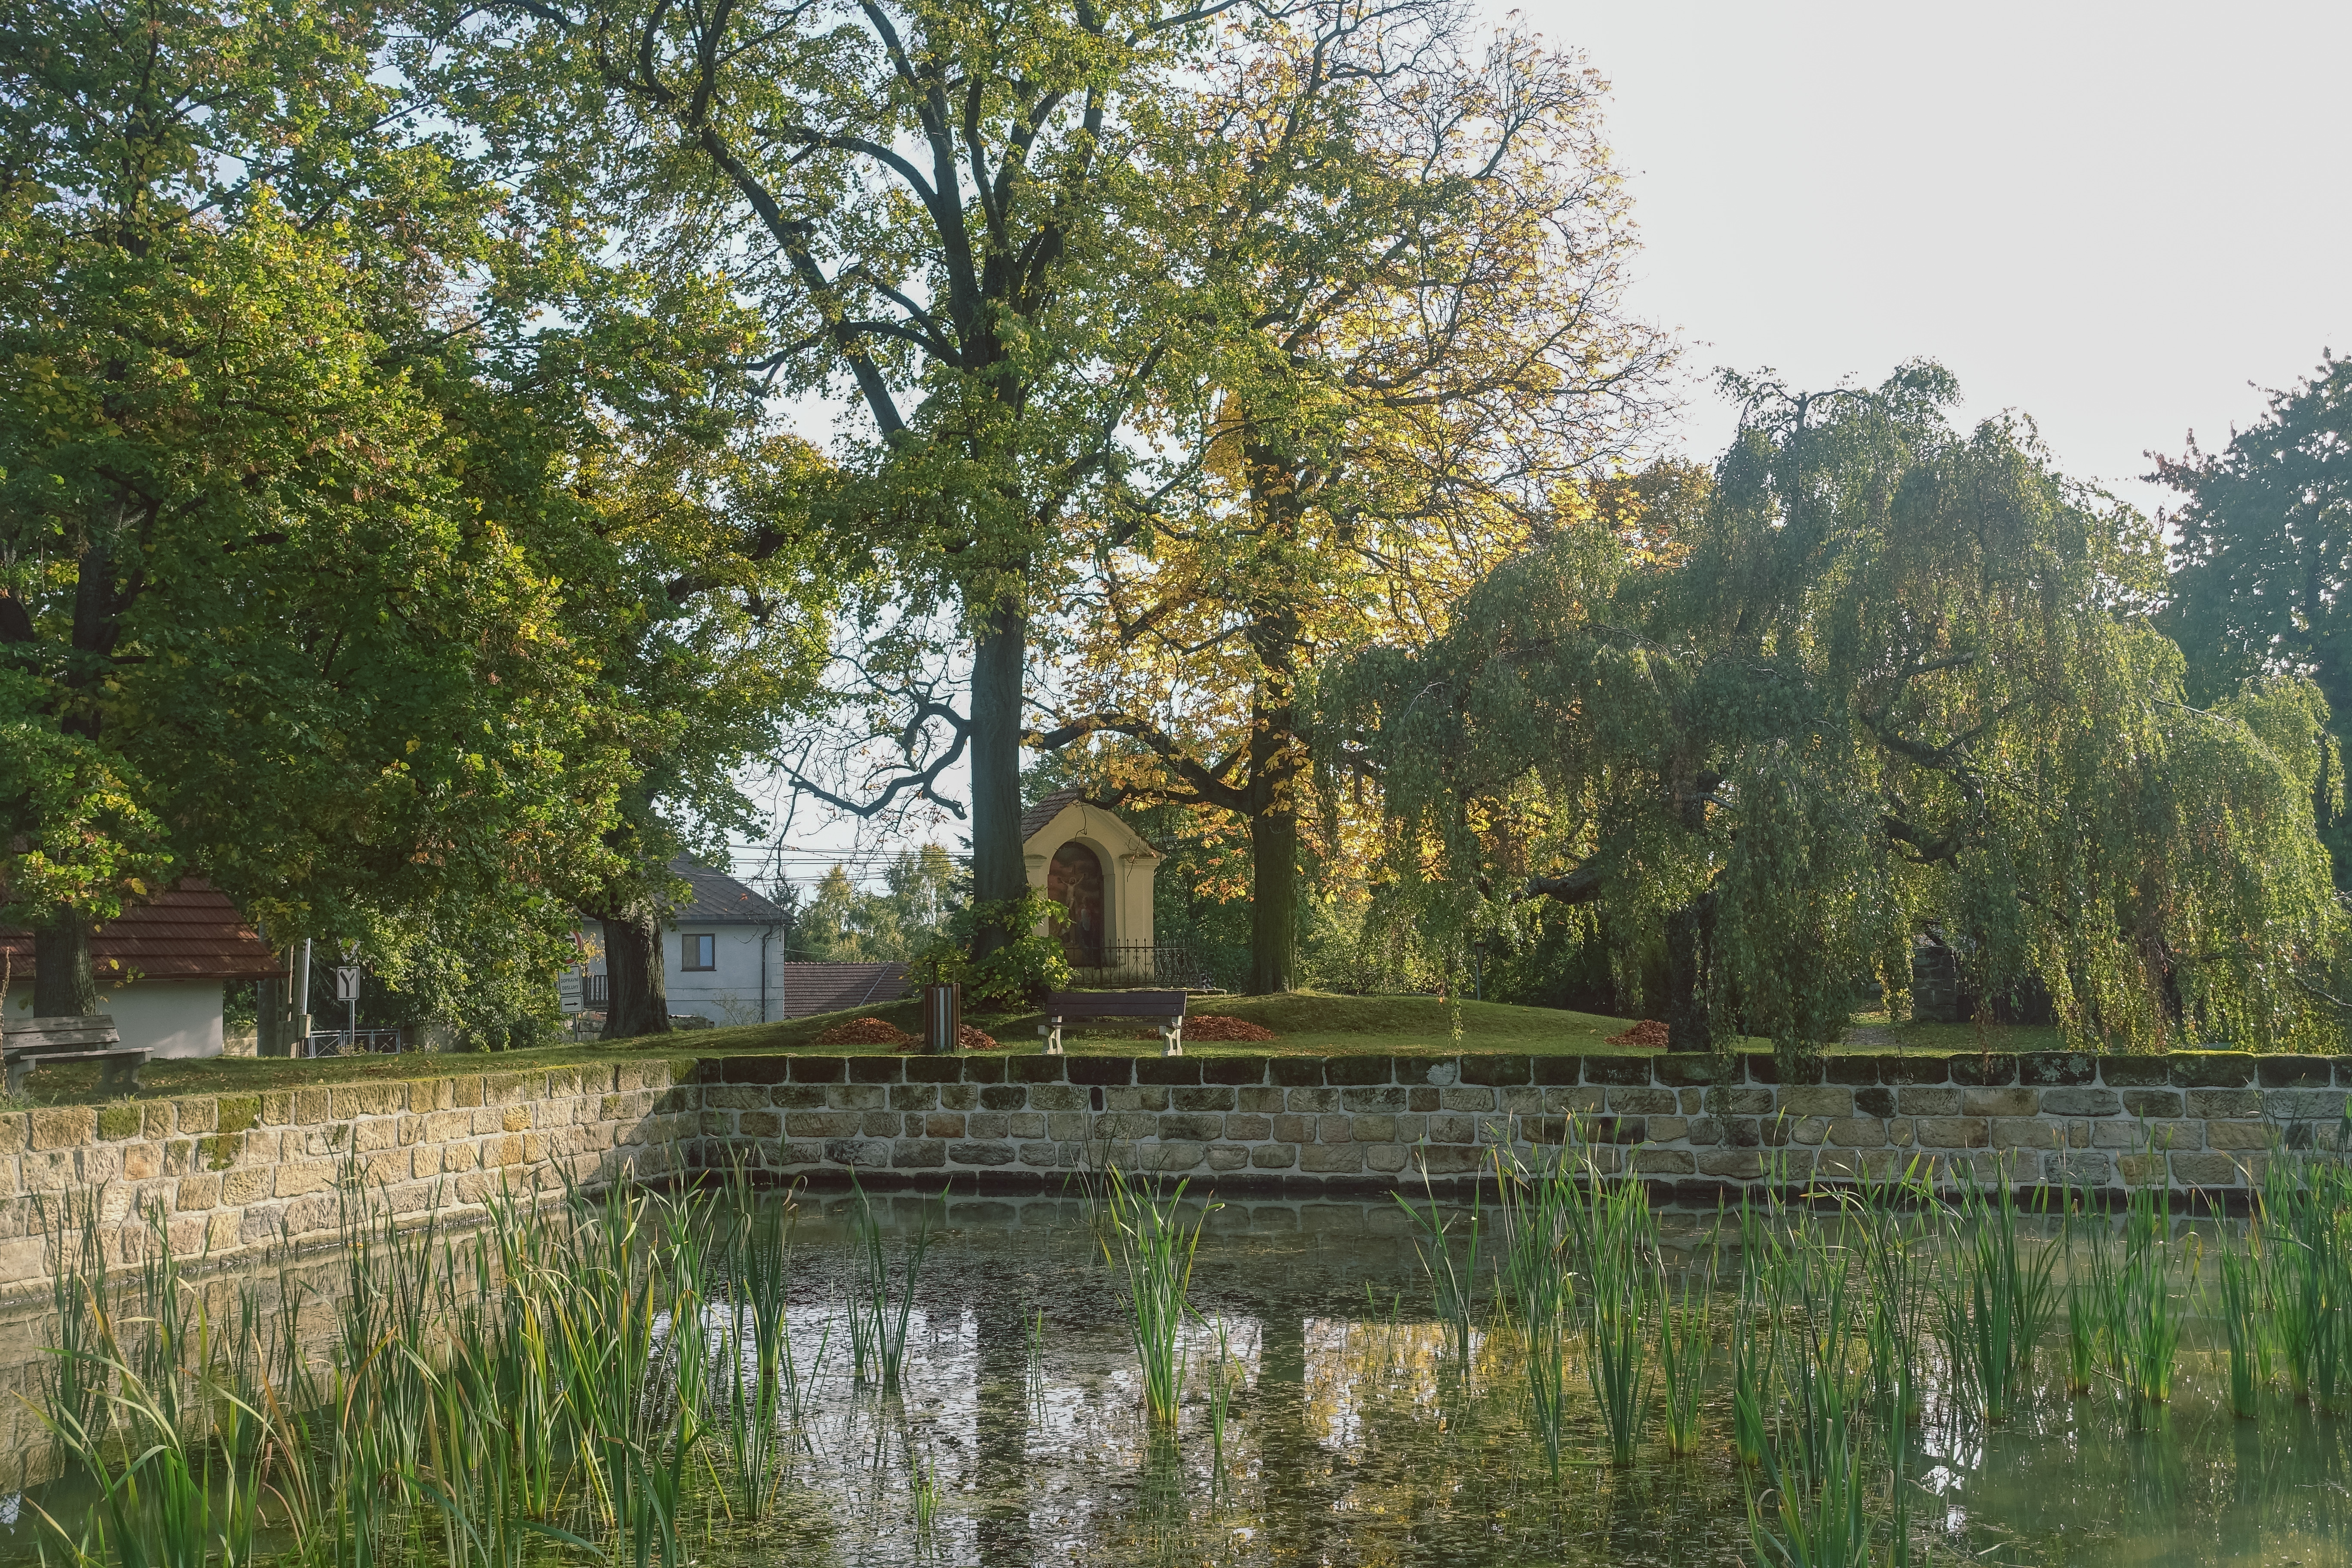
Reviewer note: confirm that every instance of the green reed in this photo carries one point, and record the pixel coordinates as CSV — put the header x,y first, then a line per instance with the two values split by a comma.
x,y
1453,1276
1997,1301
2242,1321
1685,1350
75,1391
1613,1229
1534,1210
1755,1337
2144,1315
1150,1248
881,1308
2307,1202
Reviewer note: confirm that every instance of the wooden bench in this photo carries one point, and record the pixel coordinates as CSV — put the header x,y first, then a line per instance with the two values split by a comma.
x,y
1168,1006
40,1042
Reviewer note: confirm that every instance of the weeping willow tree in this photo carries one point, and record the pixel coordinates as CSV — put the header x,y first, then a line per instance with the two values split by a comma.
x,y
1872,677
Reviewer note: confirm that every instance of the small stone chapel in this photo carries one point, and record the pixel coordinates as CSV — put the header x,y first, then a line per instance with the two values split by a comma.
x,y
1099,869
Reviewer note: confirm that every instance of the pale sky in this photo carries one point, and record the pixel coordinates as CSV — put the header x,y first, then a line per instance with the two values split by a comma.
x,y
2110,216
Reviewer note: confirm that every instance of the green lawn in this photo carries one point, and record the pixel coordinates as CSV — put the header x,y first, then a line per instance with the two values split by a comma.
x,y
1307,1024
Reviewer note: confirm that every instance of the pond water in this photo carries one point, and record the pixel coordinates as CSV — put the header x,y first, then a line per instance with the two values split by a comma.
x,y
1356,1432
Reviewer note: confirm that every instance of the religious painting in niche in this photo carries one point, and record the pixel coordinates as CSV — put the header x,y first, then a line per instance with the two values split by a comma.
x,y
1075,881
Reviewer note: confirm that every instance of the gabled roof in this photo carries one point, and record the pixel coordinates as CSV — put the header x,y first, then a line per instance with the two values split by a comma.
x,y
188,931
718,898
1040,817
811,988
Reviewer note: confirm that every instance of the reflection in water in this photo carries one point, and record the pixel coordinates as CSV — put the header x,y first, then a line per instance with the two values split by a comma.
x,y
1354,1434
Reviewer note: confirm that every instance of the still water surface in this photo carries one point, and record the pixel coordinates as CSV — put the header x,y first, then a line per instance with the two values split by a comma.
x,y
1353,1437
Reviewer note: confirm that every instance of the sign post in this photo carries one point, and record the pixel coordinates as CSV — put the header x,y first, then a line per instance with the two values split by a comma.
x,y
347,989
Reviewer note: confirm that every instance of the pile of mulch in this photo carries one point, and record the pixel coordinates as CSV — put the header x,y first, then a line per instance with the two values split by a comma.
x,y
966,1039
865,1032
1215,1027
1649,1034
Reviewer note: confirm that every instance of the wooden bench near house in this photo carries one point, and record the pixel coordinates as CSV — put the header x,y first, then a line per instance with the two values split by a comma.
x,y
1166,1006
43,1042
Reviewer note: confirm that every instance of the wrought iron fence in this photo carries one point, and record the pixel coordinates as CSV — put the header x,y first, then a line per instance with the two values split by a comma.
x,y
1175,964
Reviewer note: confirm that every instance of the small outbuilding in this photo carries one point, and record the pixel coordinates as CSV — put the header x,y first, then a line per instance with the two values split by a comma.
x,y
1099,870
162,969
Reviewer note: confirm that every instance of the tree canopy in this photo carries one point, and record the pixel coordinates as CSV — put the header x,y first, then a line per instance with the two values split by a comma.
x,y
2262,564
1871,676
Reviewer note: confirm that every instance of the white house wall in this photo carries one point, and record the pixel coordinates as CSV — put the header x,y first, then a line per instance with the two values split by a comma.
x,y
728,995
170,1017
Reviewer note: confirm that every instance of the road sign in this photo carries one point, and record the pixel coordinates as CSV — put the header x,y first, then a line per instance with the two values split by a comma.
x,y
347,983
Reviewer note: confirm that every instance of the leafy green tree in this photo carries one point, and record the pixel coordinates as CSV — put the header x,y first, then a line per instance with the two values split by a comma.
x,y
1871,674
846,923
925,202
2263,564
260,617
1395,342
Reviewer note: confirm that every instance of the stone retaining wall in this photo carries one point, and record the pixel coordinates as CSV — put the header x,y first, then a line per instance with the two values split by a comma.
x,y
2201,1121
233,1176
237,1175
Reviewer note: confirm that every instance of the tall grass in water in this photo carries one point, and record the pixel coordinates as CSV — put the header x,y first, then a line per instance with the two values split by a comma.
x,y
2144,1318
880,1310
1755,1335
1453,1280
759,1383
1996,1303
1612,1225
1686,1352
1149,1249
2242,1321
75,1391
2307,1204
1533,1210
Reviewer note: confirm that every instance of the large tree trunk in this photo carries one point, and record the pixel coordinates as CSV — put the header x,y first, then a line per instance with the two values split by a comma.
x,y
998,873
64,984
1690,1016
636,992
1274,898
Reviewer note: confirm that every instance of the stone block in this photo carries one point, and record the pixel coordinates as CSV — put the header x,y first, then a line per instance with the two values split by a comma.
x,y
939,1125
1207,1097
1643,1101
2213,1102
1228,1157
1496,1070
1917,1102
765,1070
1168,1070
63,1127
876,1070
1905,1071
1986,1069
2238,1135
1388,1159
1249,1128
1742,1101
1682,1070
2151,1102
1668,1128
1879,1102
1294,1072
2010,1102
1824,1101
2081,1101
2205,1170
1383,1098
1034,1069
1555,1072
1334,1129
1449,1129
909,1097
2135,1072
1374,1129
1236,1071
1852,1071
1808,1130
2303,1104
1618,1072
2294,1072
1733,1164
1331,1159
1472,1099
1274,1157
931,1069
1025,1123
919,1155
2078,1167
1193,1127
983,1153
1058,1096
988,1124
1951,1132
1101,1071
1857,1131
2213,1070
1529,1101
1359,1072
1664,1162
2027,1132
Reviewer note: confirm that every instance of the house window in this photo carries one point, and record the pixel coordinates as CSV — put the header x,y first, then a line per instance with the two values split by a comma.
x,y
700,950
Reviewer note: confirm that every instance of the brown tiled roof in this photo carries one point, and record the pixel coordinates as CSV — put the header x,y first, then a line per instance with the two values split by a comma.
x,y
190,932
1040,817
831,987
